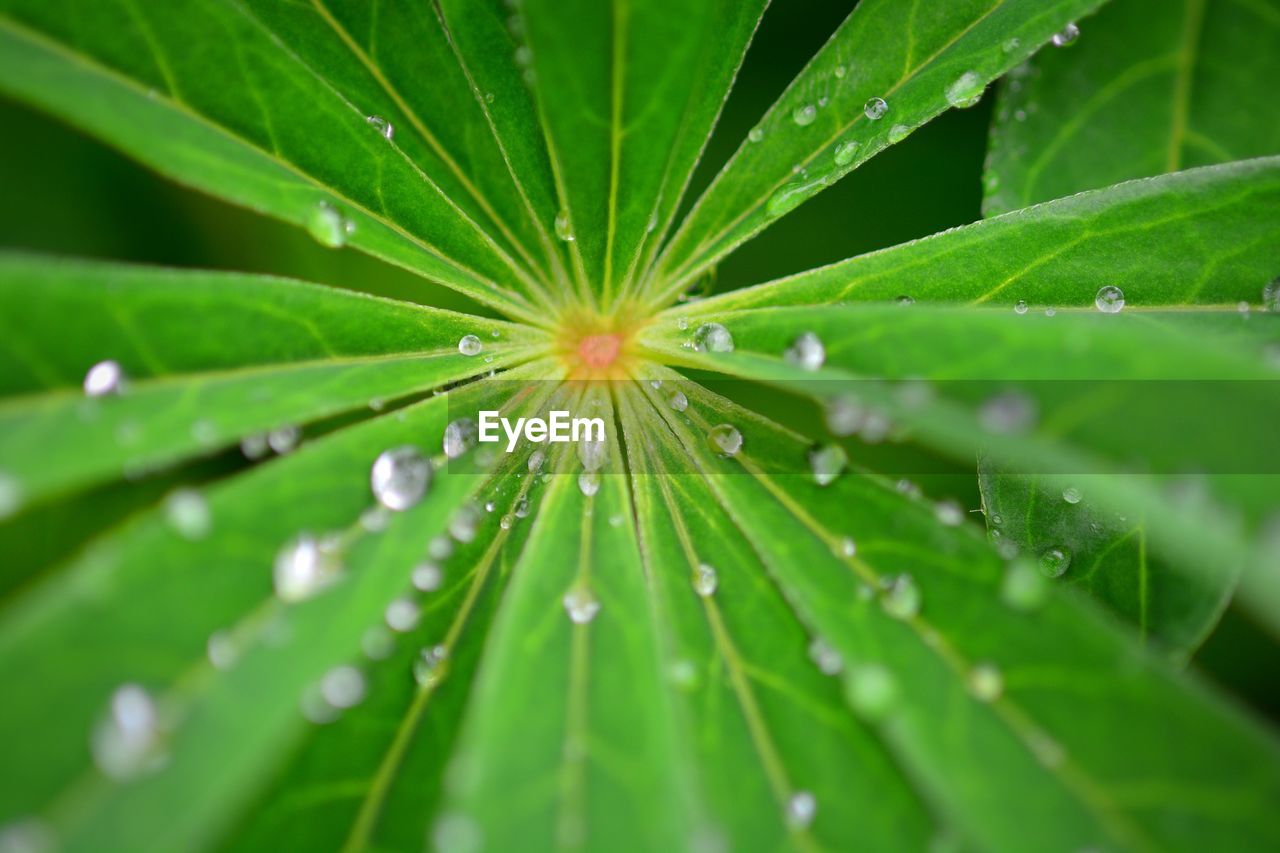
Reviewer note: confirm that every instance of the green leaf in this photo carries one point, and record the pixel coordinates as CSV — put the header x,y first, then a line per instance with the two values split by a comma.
x,y
1149,87
628,92
248,119
919,58
1205,238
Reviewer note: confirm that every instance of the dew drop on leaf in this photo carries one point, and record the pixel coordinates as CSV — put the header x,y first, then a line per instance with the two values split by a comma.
x,y
678,401
1110,299
429,666
807,352
986,682
904,300
705,580
284,439
27,835
1067,35
846,151
564,228
581,605
949,513
593,453
221,650
105,377
303,567
187,512
440,548
470,345
827,462
898,132
966,90
127,741
875,109
804,115
402,615
1023,587
1072,495
1271,296
378,643
254,446
464,522
459,437
343,686
1008,413
712,337
825,657
1020,307
802,807
901,598
328,226
381,125
1055,561
725,439
755,134
426,577
400,477
871,690
589,483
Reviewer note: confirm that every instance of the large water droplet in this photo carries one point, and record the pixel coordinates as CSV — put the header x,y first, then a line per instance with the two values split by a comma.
x,y
284,439
589,483
429,666
254,446
328,226
875,109
581,605
712,337
382,126
302,568
846,151
966,90
827,462
343,686
725,439
755,134
564,228
1072,495
705,580
127,742
1067,35
427,577
1110,299
459,437
802,807
187,513
402,615
901,598
805,114
105,377
1055,561
678,401
1020,307
986,682
470,345
400,477
807,352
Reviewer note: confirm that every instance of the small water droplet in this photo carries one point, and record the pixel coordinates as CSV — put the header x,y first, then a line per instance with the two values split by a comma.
x,y
1020,307
846,151
966,90
825,657
378,643
725,440
522,508
756,134
678,401
430,665
827,462
712,337
802,807
593,453
986,682
1023,587
898,132
901,598
875,109
804,115
871,690
27,835
328,226
905,300
343,686
564,228
1050,311
221,649
589,483
465,522
470,345
949,513
705,580
1067,35
302,568
581,605
839,71
807,352
440,548
284,439
427,577
1110,299
1055,561
1011,45
400,477
847,547
1008,413
459,437
402,615
127,741
1072,495
382,126
188,514
105,377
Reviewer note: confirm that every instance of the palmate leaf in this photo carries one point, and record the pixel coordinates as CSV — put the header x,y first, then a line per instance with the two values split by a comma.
x,y
696,645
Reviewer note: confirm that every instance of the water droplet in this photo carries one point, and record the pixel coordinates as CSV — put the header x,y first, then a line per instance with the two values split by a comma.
x,y
402,615
382,126
254,446
846,151
712,337
10,495
804,115
328,226
875,109
966,90
1110,299
905,300
378,643
839,71
343,687
456,833
127,741
1047,750
459,437
283,439
581,605
589,483
949,513
1055,561
725,440
1023,587
827,462
801,809
1072,495
564,228
105,377
848,547
825,657
400,477
302,568
427,577
1271,296
898,132
522,508
807,352
1067,35
705,580
871,690
1008,413
593,453
440,548
26,835
678,401
429,666
845,416
1011,45
901,598
1020,307
464,522
794,194
187,513
1050,311
986,682
755,134
470,345
221,649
